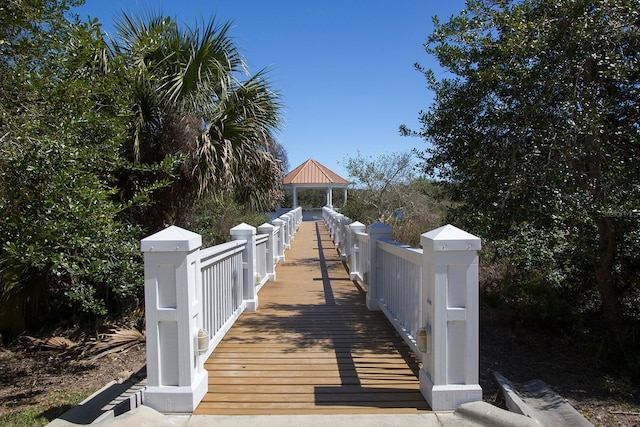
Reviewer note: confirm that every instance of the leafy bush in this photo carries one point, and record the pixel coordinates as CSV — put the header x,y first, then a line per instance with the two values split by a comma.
x,y
65,250
61,232
420,208
213,218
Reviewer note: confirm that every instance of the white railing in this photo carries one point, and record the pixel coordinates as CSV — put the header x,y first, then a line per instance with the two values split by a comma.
x,y
359,257
262,241
430,295
400,291
193,296
221,269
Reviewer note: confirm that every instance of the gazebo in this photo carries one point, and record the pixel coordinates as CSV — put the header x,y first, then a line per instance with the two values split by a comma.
x,y
312,174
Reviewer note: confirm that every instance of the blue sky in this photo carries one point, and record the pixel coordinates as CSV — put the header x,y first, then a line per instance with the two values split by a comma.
x,y
344,68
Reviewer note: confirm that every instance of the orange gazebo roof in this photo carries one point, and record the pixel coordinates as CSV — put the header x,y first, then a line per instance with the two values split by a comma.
x,y
313,172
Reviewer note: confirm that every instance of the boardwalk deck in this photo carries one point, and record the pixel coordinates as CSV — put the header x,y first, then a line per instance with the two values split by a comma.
x,y
312,346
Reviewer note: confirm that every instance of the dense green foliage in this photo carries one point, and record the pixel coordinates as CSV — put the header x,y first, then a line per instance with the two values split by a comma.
x,y
97,149
536,129
62,130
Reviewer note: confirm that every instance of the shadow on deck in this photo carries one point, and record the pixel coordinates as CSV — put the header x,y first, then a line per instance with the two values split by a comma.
x,y
312,346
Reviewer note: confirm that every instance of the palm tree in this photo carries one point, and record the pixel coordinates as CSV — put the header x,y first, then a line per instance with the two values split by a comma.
x,y
189,103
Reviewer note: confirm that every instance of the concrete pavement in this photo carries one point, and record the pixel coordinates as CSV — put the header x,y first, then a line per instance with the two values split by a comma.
x,y
468,415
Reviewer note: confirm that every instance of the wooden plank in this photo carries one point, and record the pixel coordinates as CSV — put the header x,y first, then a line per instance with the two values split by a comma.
x,y
301,364
315,374
398,397
309,388
205,409
285,382
302,405
312,347
292,348
368,373
314,354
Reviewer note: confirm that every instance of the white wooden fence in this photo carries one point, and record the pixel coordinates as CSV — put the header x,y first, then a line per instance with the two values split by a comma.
x,y
430,295
193,296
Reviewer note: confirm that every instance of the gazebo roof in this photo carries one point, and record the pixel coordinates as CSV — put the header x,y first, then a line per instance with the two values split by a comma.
x,y
312,172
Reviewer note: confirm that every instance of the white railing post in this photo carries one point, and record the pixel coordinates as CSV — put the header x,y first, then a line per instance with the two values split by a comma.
x,y
345,240
290,230
287,218
355,254
247,232
450,365
298,216
377,231
176,380
278,223
328,215
294,223
269,230
287,231
337,235
334,227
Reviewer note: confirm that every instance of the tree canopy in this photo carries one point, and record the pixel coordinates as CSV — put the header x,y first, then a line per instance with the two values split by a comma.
x,y
103,141
380,181
536,127
189,103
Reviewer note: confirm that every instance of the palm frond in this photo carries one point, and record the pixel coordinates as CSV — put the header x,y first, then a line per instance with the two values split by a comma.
x,y
185,72
117,341
49,344
57,344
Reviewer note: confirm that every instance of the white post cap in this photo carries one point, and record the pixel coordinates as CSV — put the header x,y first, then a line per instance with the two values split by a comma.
x,y
171,239
450,238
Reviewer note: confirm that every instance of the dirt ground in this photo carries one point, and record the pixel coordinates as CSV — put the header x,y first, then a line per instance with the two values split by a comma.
x,y
35,376
603,394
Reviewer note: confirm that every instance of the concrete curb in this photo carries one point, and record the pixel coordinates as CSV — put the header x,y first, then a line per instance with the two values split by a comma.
x,y
107,403
486,414
536,399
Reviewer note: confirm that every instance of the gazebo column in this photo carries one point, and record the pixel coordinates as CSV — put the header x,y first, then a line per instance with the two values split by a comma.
x,y
345,195
295,197
329,197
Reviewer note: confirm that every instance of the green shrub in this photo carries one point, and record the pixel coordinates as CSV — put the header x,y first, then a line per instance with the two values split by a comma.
x,y
213,218
63,245
66,250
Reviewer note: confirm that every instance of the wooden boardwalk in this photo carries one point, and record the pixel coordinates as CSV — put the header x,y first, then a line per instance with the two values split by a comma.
x,y
312,347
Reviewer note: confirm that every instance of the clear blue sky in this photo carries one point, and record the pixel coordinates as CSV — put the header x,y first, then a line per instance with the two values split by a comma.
x,y
344,67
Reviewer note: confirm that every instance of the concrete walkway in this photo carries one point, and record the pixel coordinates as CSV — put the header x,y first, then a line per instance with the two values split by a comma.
x,y
468,415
